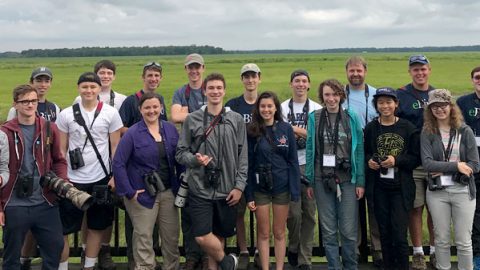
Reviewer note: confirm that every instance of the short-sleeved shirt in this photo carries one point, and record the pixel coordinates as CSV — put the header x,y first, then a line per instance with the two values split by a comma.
x,y
111,98
362,104
297,118
47,110
194,100
129,112
107,121
240,106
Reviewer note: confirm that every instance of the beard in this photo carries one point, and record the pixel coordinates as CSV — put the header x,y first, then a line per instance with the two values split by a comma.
x,y
356,82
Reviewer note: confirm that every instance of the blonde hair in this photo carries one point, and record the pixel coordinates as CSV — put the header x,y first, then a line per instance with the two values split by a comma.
x,y
430,123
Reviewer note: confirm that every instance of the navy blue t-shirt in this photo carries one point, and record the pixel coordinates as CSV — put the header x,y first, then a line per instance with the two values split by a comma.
x,y
240,106
130,113
411,104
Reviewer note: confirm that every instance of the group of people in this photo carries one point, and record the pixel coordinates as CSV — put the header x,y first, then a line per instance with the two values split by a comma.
x,y
284,161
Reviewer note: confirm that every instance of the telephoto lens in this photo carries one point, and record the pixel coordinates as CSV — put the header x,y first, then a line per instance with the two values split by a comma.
x,y
181,198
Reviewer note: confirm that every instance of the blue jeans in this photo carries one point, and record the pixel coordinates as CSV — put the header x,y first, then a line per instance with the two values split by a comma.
x,y
338,217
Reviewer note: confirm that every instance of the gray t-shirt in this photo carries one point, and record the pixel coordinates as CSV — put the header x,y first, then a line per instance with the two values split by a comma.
x,y
28,169
194,101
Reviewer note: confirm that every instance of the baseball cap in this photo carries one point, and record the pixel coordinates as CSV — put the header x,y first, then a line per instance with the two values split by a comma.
x,y
89,77
299,72
41,71
249,67
418,59
385,91
439,96
194,58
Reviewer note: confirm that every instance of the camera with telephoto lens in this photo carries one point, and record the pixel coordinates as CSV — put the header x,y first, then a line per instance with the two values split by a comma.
x,y
265,179
462,178
379,159
181,198
212,176
102,195
24,186
76,158
301,143
434,183
81,199
153,183
329,179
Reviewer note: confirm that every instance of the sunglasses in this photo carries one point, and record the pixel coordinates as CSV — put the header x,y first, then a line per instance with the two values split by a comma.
x,y
477,78
418,58
152,64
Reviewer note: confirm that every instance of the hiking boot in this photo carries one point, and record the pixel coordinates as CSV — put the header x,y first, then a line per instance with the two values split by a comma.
x,y
418,262
256,261
105,261
191,264
243,261
292,258
433,261
26,264
82,258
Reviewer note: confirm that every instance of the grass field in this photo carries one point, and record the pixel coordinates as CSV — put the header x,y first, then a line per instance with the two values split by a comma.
x,y
449,70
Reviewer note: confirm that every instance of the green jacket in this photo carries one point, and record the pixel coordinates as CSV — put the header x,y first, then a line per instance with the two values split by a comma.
x,y
357,154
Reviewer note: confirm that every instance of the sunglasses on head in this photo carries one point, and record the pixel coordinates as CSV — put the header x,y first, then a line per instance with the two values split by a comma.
x,y
152,64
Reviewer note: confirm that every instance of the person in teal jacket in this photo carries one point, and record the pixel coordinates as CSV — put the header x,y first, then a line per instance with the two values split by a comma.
x,y
335,168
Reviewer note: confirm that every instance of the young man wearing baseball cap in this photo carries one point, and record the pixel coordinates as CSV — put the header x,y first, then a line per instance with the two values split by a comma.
x,y
413,99
189,97
301,217
250,76
105,123
41,79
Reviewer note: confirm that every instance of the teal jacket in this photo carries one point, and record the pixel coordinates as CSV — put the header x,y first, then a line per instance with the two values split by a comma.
x,y
357,154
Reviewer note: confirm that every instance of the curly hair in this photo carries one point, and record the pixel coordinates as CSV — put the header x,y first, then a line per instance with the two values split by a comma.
x,y
256,128
337,88
430,123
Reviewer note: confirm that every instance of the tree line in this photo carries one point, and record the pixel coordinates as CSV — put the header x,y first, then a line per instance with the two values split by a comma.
x,y
206,49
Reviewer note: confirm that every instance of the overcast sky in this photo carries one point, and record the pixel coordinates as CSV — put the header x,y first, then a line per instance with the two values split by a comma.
x,y
238,24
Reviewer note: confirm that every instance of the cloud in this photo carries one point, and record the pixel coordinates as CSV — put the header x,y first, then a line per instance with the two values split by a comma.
x,y
249,24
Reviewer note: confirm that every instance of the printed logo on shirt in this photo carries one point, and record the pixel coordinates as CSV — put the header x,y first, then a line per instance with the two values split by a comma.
x,y
283,141
474,112
247,118
390,144
417,105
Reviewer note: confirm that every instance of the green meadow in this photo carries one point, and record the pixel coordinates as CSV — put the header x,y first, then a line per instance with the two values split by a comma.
x,y
449,70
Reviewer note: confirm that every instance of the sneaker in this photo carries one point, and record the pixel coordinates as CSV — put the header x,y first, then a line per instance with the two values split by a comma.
x,y
433,261
26,265
418,262
305,267
292,258
229,262
243,260
190,264
476,263
105,261
82,258
235,261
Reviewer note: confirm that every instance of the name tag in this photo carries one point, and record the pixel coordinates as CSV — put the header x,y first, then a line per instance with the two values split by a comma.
x,y
257,178
477,140
328,160
389,175
446,180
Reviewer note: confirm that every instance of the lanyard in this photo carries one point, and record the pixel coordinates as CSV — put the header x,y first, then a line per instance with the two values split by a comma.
x,y
332,134
303,117
448,151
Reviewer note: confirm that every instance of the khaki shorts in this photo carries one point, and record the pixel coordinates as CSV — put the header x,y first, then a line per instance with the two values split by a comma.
x,y
420,178
263,198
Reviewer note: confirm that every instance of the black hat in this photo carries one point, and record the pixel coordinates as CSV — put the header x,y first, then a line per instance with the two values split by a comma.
x,y
299,72
386,91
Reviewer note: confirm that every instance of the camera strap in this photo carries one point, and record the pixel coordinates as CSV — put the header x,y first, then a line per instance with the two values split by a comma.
x,y
46,147
79,119
216,120
303,117
366,93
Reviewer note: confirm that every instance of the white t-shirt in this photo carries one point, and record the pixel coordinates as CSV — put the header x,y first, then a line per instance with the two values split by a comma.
x,y
105,98
107,121
297,113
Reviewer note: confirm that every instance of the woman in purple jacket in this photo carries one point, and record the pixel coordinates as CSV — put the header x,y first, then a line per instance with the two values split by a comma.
x,y
145,173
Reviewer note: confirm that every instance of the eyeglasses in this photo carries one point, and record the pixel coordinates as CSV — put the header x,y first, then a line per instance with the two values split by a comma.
x,y
152,64
436,107
25,102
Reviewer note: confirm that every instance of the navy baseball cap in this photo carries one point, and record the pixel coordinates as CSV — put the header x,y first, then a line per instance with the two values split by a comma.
x,y
418,59
386,91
